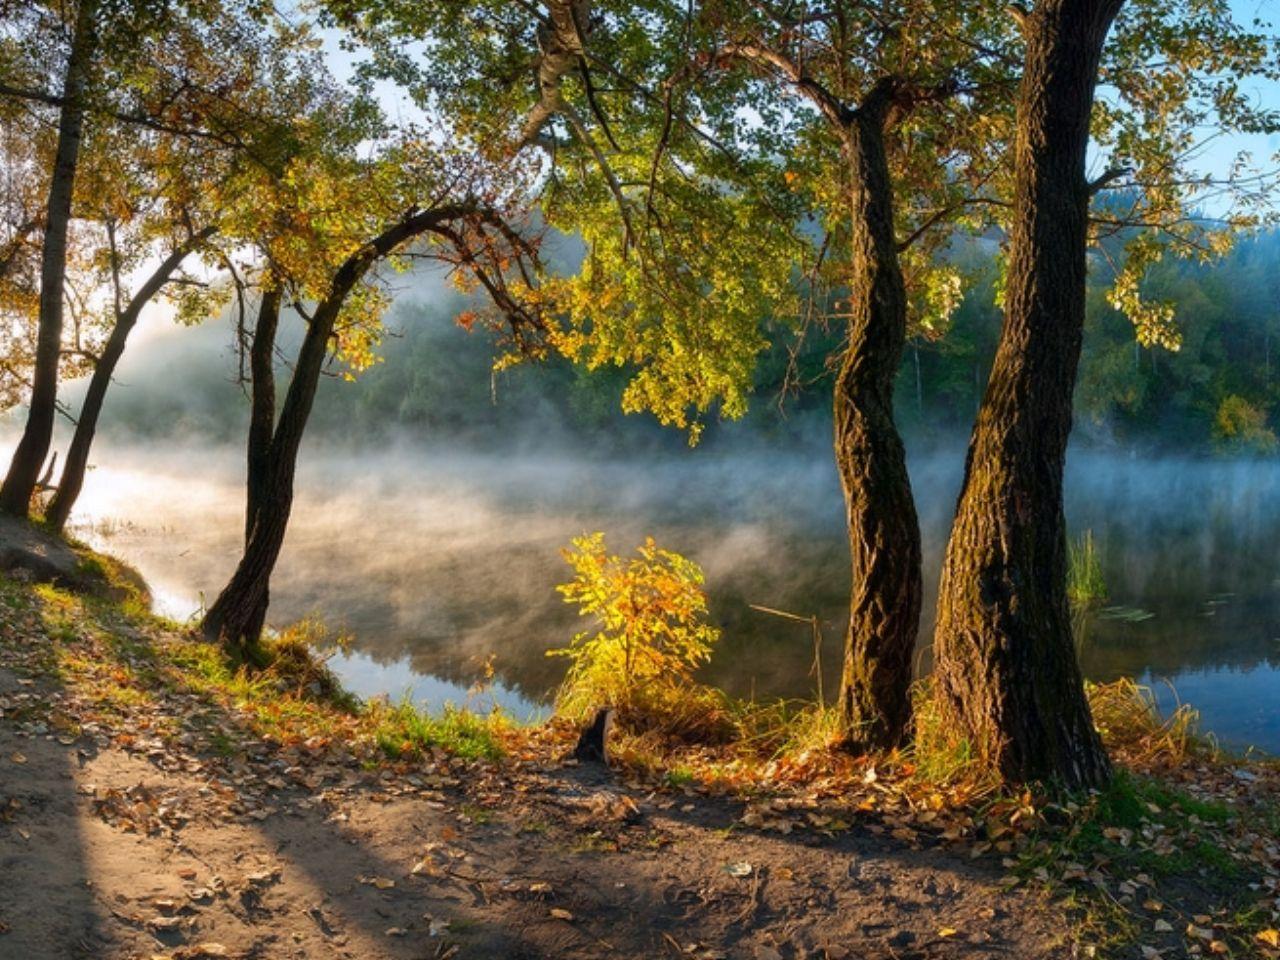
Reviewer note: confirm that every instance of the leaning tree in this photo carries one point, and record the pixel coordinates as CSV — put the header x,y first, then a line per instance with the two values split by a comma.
x,y
351,203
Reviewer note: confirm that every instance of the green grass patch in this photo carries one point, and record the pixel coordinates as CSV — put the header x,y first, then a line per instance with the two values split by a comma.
x,y
402,730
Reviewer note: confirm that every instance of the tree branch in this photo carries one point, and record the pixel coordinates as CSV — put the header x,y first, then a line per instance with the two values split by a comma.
x,y
831,106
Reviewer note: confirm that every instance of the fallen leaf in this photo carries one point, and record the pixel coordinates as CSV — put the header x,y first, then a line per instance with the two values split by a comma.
x,y
561,914
1270,937
18,758
740,869
948,932
1163,926
382,883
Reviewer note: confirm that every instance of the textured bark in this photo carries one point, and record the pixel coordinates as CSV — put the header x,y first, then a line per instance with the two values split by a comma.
x,y
884,534
262,417
262,414
237,615
104,368
33,447
1007,667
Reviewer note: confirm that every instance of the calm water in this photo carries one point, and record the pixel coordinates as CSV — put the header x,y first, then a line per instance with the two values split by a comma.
x,y
436,561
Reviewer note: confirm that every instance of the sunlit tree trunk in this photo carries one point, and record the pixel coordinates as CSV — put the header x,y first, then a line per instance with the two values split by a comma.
x,y
884,535
77,461
33,447
1007,668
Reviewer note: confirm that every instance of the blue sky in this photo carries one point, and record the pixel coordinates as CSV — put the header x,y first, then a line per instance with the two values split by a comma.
x,y
1219,154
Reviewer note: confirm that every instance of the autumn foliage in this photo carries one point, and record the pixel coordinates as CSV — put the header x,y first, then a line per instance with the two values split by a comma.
x,y
649,640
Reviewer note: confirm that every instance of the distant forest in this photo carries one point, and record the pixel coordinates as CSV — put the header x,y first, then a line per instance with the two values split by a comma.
x,y
1217,395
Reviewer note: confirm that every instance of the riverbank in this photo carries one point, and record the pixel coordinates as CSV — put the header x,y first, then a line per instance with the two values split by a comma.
x,y
155,803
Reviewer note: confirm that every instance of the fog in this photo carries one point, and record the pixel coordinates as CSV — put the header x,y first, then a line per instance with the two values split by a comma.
x,y
437,558
429,520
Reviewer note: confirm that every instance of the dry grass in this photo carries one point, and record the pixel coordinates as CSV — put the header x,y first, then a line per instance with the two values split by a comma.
x,y
1131,725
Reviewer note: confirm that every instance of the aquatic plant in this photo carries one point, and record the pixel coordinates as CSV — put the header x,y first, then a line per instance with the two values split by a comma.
x,y
1086,584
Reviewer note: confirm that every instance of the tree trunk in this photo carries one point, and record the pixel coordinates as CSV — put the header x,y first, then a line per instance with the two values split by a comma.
x,y
237,616
262,418
1007,668
103,370
884,535
28,458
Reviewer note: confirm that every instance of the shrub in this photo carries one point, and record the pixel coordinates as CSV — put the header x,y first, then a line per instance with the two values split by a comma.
x,y
1240,427
650,638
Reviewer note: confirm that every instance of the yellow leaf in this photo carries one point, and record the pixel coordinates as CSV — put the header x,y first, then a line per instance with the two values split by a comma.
x,y
1270,937
948,932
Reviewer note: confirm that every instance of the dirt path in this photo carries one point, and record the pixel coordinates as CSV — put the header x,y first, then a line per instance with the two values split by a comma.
x,y
111,847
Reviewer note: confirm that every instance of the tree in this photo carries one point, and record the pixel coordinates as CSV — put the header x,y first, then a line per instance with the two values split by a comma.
x,y
125,318
1006,665
688,211
28,458
141,76
155,192
323,228
890,112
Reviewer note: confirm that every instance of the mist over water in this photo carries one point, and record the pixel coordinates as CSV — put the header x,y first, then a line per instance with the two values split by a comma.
x,y
436,558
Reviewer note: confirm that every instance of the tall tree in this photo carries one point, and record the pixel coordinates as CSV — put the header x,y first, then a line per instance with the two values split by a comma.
x,y
891,113
1006,664
355,197
689,210
33,447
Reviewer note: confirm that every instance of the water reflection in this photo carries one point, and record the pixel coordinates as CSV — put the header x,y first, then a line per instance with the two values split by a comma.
x,y
435,559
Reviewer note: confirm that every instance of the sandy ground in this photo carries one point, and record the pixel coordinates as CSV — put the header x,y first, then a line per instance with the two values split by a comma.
x,y
112,847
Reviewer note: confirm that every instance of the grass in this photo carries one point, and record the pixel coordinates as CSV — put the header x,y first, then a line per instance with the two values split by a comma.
x,y
1086,584
126,663
403,731
1131,723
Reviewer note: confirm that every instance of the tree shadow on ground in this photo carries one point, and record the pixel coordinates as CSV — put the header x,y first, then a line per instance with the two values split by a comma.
x,y
47,907
516,862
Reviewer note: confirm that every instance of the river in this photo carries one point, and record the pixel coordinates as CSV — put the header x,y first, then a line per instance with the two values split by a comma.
x,y
438,561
